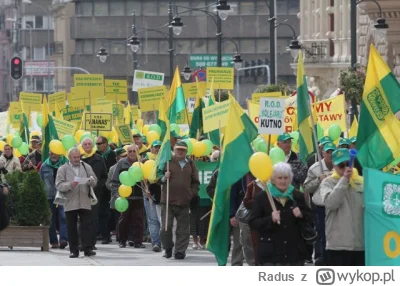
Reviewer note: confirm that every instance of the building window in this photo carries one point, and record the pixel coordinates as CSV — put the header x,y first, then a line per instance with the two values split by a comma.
x,y
248,46
38,83
247,8
38,22
118,49
282,7
39,53
163,47
117,8
294,7
88,47
163,8
211,46
150,47
199,46
28,22
84,8
100,8
183,47
262,8
262,46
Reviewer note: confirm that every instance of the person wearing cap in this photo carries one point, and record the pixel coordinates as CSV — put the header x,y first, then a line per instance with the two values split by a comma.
x,y
346,143
139,143
34,140
316,174
174,137
299,169
8,162
314,158
184,185
48,173
133,216
34,159
99,219
343,197
152,155
353,141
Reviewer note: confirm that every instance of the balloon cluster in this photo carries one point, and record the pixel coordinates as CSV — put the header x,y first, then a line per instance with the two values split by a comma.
x,y
15,141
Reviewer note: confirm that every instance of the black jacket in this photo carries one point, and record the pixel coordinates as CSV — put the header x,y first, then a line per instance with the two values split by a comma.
x,y
100,170
238,190
210,189
279,243
110,161
4,216
299,170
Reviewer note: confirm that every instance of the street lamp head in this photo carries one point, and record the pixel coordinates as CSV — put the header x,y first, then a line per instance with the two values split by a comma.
x,y
134,44
381,28
237,61
223,9
102,54
187,72
177,26
294,48
27,1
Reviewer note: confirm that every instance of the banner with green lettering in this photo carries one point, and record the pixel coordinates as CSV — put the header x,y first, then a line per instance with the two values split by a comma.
x,y
205,169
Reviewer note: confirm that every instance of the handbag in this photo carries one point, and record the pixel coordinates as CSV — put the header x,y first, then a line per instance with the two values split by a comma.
x,y
92,195
242,214
307,230
60,199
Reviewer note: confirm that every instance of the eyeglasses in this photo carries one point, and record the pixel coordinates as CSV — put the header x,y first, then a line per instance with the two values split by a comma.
x,y
343,165
99,143
131,151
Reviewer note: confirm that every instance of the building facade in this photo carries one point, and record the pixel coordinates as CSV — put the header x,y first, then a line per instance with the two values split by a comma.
x,y
108,24
325,36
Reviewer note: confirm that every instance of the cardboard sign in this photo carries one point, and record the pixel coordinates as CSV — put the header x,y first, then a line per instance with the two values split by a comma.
x,y
15,113
72,113
64,127
223,78
59,98
98,121
149,98
216,116
256,96
190,89
124,134
271,115
116,90
32,101
144,79
89,82
118,112
135,112
78,100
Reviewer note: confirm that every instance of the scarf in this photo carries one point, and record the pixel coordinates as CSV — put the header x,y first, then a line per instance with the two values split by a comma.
x,y
143,149
151,156
57,164
105,154
87,155
355,179
278,194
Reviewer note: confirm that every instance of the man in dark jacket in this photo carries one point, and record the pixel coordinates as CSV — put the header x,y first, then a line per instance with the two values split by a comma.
x,y
110,160
96,161
183,186
4,216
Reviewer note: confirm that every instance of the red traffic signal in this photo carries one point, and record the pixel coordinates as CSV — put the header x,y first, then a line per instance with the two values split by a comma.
x,y
16,68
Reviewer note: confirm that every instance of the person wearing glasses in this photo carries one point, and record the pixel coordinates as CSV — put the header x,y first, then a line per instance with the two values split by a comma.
x,y
34,160
99,220
133,216
110,159
140,144
350,144
343,197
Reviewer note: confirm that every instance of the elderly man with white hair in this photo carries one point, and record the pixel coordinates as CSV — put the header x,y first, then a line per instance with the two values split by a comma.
x,y
75,180
280,240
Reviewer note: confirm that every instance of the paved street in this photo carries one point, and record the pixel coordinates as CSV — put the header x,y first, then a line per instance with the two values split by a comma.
x,y
107,255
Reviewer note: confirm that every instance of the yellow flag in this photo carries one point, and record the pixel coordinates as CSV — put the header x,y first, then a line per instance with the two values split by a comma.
x,y
353,129
127,114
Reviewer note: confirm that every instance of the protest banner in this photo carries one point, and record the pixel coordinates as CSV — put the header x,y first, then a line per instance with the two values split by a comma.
x,y
256,96
31,101
15,113
64,127
206,170
143,79
116,90
381,218
221,78
78,99
149,97
98,121
89,82
59,98
216,116
135,112
190,89
71,113
271,115
124,133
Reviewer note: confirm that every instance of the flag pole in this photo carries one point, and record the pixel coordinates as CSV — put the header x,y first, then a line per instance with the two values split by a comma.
x,y
314,134
90,114
167,201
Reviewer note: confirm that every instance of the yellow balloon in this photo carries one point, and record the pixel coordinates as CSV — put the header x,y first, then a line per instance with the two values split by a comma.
x,y
78,135
17,153
199,149
124,191
147,168
81,149
145,129
9,138
57,147
2,143
194,141
152,136
260,165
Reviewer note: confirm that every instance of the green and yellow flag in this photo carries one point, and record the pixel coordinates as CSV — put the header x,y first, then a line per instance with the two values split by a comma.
x,y
353,128
49,131
162,119
306,142
196,126
213,135
231,168
249,127
176,99
378,140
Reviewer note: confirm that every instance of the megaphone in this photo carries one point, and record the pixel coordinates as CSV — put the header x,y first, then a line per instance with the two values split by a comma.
x,y
353,155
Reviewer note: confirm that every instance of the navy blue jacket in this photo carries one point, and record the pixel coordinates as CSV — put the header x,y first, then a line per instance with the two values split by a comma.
x,y
238,190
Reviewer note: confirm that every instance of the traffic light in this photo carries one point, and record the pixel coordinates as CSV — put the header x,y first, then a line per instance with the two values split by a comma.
x,y
260,71
253,71
246,72
16,68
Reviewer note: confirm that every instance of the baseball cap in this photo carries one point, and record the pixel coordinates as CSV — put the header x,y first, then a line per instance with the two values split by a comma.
x,y
340,155
175,135
329,146
353,139
285,136
324,140
344,141
137,135
156,143
36,138
121,152
181,145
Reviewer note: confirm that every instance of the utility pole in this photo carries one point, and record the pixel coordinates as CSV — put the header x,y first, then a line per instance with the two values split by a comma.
x,y
171,41
272,40
135,62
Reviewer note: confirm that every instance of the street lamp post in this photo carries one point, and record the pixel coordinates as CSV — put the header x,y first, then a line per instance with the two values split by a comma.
x,y
47,12
171,41
272,40
380,25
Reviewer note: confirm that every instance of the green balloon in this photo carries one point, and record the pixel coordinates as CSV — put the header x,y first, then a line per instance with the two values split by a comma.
x,y
176,128
320,132
190,146
277,155
256,141
156,128
295,135
136,173
262,147
209,146
39,120
68,142
334,132
121,204
126,179
24,148
16,142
